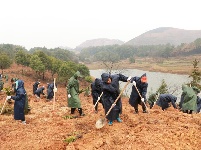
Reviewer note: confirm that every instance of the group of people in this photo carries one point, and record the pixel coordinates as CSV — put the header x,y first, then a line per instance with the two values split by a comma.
x,y
106,91
39,90
21,100
190,101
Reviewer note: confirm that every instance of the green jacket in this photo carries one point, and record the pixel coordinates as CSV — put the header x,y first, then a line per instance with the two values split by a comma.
x,y
189,98
73,90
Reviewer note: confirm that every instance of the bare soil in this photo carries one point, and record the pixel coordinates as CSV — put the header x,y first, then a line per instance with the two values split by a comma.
x,y
49,129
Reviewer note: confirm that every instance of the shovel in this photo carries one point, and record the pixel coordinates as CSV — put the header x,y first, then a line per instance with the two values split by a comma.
x,y
98,100
3,106
102,121
141,97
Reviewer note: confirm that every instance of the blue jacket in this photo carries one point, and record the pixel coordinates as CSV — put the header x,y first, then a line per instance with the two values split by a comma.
x,y
198,104
142,88
164,100
50,92
20,99
39,91
96,89
110,93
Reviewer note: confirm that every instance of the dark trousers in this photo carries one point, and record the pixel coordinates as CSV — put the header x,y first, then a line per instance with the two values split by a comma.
x,y
142,104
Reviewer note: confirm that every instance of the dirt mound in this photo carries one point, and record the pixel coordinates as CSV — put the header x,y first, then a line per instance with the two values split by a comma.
x,y
52,130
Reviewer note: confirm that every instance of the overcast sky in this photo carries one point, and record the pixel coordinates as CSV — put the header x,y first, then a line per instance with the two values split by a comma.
x,y
54,23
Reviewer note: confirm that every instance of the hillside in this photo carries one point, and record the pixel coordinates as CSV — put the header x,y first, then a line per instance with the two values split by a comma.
x,y
47,129
98,42
164,35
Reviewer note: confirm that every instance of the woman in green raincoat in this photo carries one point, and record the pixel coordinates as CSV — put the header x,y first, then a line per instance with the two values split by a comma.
x,y
188,100
73,93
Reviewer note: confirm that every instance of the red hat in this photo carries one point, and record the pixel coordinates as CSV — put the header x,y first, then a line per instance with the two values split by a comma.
x,y
144,78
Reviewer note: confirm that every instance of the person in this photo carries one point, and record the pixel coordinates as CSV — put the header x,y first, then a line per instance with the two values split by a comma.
x,y
20,99
164,101
140,84
110,89
96,93
1,84
13,82
50,90
6,77
73,94
188,99
35,86
39,91
198,104
197,91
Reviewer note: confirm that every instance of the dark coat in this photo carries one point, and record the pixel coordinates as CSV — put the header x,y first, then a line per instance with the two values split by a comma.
x,y
164,100
35,86
110,93
1,84
142,88
198,104
50,92
39,91
20,99
96,90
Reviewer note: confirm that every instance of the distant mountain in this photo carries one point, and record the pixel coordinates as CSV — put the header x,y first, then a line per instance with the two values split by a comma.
x,y
99,42
165,35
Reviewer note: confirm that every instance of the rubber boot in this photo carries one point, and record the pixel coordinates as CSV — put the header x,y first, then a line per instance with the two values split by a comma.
x,y
72,110
80,112
110,123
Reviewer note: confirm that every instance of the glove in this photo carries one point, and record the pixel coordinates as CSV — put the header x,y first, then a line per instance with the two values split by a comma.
x,y
134,83
55,89
142,99
69,96
129,78
98,98
8,97
113,105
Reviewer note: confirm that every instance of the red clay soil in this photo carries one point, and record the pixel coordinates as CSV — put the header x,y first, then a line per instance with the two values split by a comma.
x,y
50,130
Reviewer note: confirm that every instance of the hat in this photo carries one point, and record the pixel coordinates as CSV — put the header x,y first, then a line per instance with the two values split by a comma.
x,y
105,77
144,78
77,74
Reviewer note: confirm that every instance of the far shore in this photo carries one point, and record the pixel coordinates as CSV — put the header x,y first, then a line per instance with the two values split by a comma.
x,y
176,65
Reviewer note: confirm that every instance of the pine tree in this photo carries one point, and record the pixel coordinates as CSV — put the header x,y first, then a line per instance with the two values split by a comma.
x,y
195,75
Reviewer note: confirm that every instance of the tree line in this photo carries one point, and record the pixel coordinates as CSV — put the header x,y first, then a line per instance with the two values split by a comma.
x,y
60,62
115,53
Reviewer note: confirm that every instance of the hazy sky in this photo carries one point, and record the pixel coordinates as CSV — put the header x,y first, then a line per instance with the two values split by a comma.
x,y
54,23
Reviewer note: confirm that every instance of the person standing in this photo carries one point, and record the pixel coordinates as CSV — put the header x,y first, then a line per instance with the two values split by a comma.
x,y
188,100
50,90
1,84
73,94
140,84
96,92
197,91
110,89
19,99
35,86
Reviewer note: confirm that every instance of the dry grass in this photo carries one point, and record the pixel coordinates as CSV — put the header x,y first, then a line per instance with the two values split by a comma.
x,y
179,65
